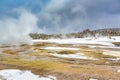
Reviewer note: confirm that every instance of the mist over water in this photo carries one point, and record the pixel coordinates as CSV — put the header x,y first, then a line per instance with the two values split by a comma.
x,y
16,30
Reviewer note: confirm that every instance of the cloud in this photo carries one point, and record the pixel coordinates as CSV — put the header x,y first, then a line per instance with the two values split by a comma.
x,y
16,30
75,15
61,17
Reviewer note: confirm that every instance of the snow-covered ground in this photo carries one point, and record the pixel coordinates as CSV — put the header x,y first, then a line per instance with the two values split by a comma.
x,y
106,47
93,79
112,53
114,59
92,40
118,71
107,39
73,41
13,74
75,56
60,48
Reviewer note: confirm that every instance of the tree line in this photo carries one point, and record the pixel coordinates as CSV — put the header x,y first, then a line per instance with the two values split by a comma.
x,y
84,33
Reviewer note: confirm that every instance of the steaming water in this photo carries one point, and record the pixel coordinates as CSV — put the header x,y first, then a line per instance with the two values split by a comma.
x,y
16,30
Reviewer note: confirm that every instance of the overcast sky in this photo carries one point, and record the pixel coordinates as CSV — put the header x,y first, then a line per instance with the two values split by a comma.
x,y
59,16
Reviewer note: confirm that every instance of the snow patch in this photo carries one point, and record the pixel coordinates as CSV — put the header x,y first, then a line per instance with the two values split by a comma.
x,y
77,56
118,71
114,59
13,74
100,41
60,48
107,47
93,79
112,53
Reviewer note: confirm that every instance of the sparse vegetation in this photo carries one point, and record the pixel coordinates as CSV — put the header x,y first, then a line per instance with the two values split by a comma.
x,y
67,52
95,53
9,51
41,62
44,67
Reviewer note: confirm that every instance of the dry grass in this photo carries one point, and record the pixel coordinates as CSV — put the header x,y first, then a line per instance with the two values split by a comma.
x,y
116,43
95,53
68,71
63,70
44,44
34,54
39,64
67,52
37,49
56,67
10,51
39,52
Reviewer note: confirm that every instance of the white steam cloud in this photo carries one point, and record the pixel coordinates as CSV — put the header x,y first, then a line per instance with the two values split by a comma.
x,y
66,16
62,16
16,30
